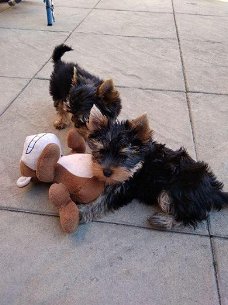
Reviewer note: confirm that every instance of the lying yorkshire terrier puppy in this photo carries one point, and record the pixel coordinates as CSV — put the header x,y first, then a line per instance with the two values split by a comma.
x,y
75,90
136,167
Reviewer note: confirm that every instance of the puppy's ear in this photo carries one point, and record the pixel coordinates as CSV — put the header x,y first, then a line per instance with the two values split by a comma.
x,y
74,77
96,119
106,88
141,127
110,96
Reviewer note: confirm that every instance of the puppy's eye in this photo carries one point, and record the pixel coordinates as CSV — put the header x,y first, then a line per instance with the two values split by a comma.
x,y
96,154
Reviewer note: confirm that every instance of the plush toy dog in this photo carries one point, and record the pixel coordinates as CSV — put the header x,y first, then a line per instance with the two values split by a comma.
x,y
72,175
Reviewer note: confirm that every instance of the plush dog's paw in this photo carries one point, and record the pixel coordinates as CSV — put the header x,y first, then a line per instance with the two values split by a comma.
x,y
75,141
69,217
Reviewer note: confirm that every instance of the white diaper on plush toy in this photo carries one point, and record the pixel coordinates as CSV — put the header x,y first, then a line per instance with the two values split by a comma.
x,y
33,147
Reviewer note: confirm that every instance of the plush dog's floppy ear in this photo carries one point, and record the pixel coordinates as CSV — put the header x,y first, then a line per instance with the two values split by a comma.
x,y
46,163
74,77
96,119
141,128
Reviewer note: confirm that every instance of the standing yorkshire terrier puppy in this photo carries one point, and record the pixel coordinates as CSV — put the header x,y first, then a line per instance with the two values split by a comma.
x,y
135,166
75,90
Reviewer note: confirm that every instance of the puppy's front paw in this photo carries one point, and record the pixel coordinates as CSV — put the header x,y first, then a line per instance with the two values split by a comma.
x,y
60,124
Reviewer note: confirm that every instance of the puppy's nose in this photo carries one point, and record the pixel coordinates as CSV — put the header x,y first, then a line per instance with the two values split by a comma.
x,y
107,172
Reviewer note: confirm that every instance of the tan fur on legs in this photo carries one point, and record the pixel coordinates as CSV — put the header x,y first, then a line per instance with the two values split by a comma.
x,y
63,119
163,221
164,202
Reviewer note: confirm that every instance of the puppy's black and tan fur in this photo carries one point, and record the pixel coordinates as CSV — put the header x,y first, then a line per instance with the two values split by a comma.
x,y
75,90
136,167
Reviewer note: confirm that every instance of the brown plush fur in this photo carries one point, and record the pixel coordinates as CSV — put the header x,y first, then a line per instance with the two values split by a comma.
x,y
72,184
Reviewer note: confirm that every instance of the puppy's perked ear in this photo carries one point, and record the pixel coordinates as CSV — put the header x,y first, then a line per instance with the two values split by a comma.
x,y
141,127
110,97
96,119
107,87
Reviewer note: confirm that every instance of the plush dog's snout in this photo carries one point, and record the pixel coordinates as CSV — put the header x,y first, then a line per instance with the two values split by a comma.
x,y
107,172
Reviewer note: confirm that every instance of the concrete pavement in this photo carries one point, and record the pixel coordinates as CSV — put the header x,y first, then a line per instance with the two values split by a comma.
x,y
169,59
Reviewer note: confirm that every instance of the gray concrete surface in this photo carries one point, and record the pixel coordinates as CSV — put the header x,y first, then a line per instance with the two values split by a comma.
x,y
169,59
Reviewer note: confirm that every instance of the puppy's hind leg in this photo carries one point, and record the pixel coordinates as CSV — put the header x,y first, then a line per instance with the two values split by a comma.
x,y
63,119
164,202
164,219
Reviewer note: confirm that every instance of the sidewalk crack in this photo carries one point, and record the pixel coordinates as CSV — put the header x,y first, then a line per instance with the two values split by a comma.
x,y
185,83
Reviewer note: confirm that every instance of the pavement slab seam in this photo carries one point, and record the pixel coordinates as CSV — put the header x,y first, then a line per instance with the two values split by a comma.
x,y
219,237
14,77
151,12
94,7
122,223
200,40
72,6
25,211
212,93
108,34
128,250
203,15
129,36
144,11
144,88
132,11
35,30
151,229
185,82
49,214
215,266
168,90
11,102
122,10
214,260
194,140
128,87
150,89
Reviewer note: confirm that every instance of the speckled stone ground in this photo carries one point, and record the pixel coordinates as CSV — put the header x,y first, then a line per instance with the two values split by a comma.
x,y
169,59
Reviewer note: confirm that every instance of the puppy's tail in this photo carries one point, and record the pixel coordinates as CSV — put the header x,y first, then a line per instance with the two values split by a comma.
x,y
59,51
218,200
222,200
